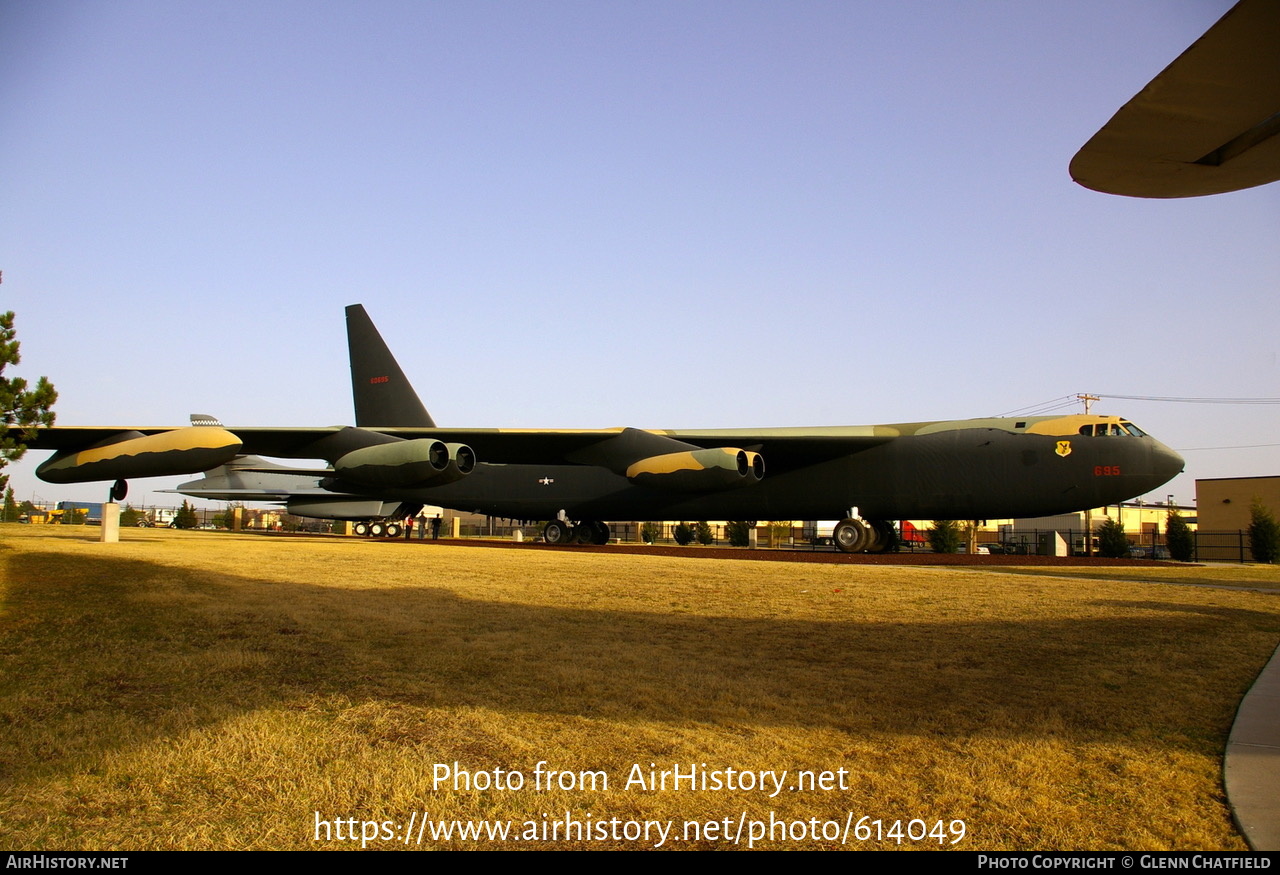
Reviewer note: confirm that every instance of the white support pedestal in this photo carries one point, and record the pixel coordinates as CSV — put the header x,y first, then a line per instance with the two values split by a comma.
x,y
110,523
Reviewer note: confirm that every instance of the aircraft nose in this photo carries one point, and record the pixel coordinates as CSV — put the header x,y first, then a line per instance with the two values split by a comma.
x,y
1165,463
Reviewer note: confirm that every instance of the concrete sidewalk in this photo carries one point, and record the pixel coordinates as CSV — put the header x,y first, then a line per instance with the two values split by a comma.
x,y
1251,767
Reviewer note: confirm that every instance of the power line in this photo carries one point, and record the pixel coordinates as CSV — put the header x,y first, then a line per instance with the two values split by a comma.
x,y
1043,407
1064,402
1194,400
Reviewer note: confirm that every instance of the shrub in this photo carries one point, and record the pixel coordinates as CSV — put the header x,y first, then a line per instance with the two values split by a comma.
x,y
738,532
703,531
186,517
649,532
945,536
1113,543
1264,533
1178,536
683,533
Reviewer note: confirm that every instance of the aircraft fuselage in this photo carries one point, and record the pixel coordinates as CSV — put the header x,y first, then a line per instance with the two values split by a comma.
x,y
972,473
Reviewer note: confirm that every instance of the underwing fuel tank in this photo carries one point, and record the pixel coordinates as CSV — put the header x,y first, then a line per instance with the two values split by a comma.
x,y
699,470
406,464
344,509
132,454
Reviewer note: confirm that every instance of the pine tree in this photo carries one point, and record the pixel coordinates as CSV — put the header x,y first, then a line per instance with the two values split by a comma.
x,y
945,536
703,531
19,406
186,517
1179,537
1264,533
738,532
10,512
1113,543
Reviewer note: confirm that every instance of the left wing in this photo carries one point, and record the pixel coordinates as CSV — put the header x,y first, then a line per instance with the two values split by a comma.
x,y
410,457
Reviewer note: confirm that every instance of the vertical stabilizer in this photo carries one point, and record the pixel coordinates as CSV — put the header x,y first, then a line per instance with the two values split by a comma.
x,y
382,394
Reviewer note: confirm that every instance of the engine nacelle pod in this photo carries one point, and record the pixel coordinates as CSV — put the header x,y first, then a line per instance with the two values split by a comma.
x,y
406,464
699,470
133,454
462,461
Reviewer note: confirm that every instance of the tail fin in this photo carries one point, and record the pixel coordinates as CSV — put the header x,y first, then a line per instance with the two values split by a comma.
x,y
382,394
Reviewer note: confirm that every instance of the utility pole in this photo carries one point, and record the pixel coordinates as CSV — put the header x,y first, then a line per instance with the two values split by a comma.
x,y
1088,401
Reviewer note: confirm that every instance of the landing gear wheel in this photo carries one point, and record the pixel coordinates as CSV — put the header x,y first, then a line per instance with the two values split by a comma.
x,y
119,490
851,535
875,539
394,531
377,529
361,529
557,532
599,532
886,537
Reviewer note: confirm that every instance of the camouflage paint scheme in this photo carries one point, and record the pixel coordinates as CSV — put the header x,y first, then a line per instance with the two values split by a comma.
x,y
1206,124
963,469
956,469
132,454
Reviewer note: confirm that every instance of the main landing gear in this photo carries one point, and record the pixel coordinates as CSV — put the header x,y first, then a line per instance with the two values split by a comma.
x,y
856,535
378,529
585,532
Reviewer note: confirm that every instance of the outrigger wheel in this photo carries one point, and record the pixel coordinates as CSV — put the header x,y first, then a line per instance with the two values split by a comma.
x,y
119,490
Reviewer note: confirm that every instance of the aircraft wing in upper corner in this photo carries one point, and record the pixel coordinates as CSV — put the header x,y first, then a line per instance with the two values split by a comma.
x,y
1207,124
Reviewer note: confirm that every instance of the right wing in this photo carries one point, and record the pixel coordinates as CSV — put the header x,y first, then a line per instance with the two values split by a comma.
x,y
1207,124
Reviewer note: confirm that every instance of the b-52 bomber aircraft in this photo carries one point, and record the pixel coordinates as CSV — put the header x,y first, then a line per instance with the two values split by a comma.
x,y
396,460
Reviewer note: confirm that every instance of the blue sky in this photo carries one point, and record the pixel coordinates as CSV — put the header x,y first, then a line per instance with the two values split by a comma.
x,y
591,214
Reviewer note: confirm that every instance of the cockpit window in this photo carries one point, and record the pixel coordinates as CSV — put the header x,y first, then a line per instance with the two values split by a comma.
x,y
1112,429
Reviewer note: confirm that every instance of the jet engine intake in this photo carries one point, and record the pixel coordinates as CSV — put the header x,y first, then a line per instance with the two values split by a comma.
x,y
132,454
407,464
462,461
699,470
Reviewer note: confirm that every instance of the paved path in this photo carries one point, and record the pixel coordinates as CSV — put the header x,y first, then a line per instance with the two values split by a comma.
x,y
1251,767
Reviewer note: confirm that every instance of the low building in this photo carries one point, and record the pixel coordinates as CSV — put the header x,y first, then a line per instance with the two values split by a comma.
x,y
1225,502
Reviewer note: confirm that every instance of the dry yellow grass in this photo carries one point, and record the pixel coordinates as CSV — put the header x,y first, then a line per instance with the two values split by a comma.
x,y
207,690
